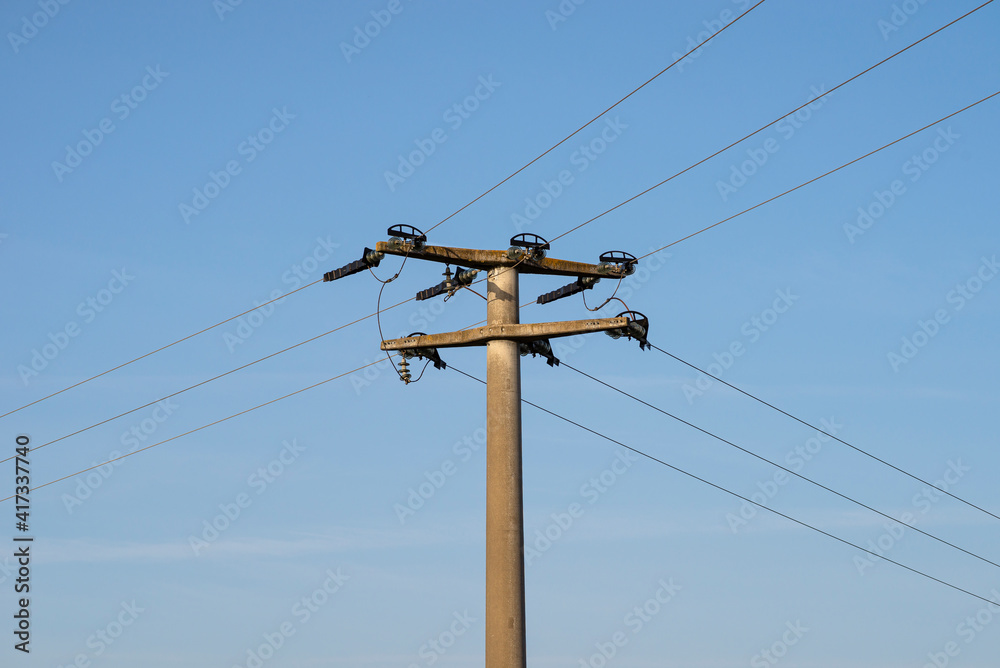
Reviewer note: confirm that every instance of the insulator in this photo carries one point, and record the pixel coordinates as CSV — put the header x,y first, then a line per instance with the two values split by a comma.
x,y
430,354
579,285
465,276
617,262
530,244
637,328
368,259
462,277
515,253
538,347
412,235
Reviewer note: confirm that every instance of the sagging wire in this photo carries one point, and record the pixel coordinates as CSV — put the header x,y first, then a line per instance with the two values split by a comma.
x,y
378,315
606,301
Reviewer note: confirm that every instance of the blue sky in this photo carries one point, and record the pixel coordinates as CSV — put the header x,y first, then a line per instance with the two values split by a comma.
x,y
169,166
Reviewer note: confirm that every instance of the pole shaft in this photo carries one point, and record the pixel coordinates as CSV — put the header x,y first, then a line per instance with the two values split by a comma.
x,y
505,636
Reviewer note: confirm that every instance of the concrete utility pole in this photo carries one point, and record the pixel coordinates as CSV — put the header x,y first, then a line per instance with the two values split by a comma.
x,y
506,339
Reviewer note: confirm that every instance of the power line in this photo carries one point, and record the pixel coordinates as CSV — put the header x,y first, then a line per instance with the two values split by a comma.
x,y
87,380
172,438
644,256
813,180
441,222
775,464
221,375
582,127
826,433
153,352
231,371
738,496
870,153
762,128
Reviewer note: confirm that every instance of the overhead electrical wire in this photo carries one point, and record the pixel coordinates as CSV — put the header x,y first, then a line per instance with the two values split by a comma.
x,y
598,116
504,181
826,433
739,496
153,352
560,236
205,426
813,180
442,221
49,396
825,174
209,380
762,128
775,464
